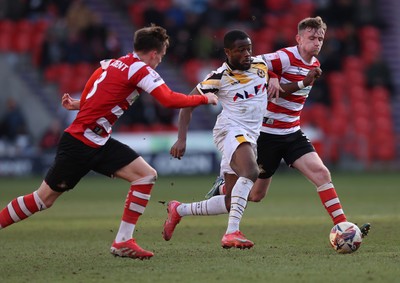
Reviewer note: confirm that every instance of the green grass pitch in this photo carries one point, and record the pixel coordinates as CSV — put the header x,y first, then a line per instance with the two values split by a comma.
x,y
70,242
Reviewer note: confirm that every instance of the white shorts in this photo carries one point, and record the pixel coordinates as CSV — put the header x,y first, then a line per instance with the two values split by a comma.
x,y
227,141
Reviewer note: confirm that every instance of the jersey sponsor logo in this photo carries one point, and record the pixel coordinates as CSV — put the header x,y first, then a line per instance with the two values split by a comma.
x,y
247,95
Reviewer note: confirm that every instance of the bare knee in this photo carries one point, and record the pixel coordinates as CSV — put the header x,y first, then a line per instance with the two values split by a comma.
x,y
256,197
324,174
47,195
252,174
320,176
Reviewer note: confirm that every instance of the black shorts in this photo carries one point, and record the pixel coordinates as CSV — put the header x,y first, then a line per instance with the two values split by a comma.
x,y
74,159
272,148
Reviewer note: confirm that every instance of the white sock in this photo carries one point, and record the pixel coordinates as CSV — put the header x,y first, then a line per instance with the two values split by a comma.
x,y
125,232
212,206
40,204
240,192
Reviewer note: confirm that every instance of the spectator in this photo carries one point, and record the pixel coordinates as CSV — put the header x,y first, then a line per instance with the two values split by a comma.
x,y
13,123
379,74
51,136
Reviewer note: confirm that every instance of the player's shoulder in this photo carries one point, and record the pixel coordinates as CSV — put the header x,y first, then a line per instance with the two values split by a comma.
x,y
217,73
258,60
105,63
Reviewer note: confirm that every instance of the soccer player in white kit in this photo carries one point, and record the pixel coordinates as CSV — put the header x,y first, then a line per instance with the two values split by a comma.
x,y
241,86
281,136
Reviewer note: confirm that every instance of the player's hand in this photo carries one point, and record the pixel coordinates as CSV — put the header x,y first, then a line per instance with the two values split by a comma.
x,y
274,88
312,75
178,149
212,98
69,103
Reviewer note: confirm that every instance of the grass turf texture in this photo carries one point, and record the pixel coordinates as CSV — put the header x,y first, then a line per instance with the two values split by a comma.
x,y
70,242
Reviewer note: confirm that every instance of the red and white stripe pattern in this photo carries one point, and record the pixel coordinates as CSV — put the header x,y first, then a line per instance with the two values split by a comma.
x,y
137,199
331,202
20,209
283,114
120,82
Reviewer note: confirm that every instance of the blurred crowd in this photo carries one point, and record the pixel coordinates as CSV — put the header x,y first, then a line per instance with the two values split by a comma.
x,y
76,33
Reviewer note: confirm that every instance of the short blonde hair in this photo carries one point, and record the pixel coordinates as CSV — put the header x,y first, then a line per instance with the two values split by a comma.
x,y
314,23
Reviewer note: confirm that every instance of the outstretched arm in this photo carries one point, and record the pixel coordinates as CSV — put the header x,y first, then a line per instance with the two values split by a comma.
x,y
171,99
185,116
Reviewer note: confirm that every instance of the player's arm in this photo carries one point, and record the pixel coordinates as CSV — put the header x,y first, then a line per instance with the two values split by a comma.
x,y
274,88
70,103
308,80
172,99
178,149
74,104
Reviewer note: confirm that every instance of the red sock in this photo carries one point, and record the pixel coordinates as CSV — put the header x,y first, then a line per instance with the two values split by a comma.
x,y
330,200
20,208
136,202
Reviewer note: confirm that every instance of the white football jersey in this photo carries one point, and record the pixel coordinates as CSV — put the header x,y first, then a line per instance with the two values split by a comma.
x,y
242,94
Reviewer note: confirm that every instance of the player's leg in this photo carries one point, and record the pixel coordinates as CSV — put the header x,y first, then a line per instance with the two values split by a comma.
x,y
270,150
63,175
218,188
213,206
142,178
243,163
119,160
260,189
25,206
312,167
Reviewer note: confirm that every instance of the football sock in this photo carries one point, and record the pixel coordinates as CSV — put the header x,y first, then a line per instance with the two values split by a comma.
x,y
240,192
222,189
20,208
330,200
135,204
212,206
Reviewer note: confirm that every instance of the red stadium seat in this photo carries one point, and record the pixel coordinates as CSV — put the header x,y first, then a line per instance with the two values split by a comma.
x,y
355,77
135,11
353,63
7,26
5,41
360,108
191,70
84,70
277,5
369,33
21,42
24,26
380,93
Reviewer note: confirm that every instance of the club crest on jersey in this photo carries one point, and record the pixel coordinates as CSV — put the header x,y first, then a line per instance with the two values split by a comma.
x,y
261,73
248,95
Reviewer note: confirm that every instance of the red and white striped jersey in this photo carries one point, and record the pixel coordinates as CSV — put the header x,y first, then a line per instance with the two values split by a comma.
x,y
283,114
114,90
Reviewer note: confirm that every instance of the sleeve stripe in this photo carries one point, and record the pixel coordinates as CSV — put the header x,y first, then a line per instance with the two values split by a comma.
x,y
134,68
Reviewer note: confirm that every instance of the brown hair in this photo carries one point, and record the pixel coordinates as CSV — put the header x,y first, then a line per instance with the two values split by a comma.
x,y
150,38
314,23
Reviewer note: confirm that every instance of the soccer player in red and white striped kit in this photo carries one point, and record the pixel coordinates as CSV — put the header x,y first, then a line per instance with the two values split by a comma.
x,y
86,144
